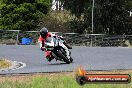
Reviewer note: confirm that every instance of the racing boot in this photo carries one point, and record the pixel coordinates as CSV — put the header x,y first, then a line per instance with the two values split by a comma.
x,y
49,58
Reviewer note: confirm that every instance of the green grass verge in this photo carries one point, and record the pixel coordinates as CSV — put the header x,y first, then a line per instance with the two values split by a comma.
x,y
4,64
53,81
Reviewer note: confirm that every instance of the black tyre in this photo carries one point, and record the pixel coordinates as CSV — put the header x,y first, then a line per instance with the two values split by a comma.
x,y
63,57
71,59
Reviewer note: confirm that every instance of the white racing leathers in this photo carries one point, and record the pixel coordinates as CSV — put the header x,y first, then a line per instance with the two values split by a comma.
x,y
52,44
60,44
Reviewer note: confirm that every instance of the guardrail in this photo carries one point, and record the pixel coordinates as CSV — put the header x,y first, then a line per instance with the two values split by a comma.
x,y
101,40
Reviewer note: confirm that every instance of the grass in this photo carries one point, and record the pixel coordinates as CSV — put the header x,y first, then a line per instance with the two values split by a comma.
x,y
60,80
4,64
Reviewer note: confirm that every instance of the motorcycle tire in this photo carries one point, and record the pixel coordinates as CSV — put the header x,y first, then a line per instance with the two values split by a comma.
x,y
71,59
63,57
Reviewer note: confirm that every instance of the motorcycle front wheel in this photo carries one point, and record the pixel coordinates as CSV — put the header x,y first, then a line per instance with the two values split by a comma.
x,y
71,59
63,57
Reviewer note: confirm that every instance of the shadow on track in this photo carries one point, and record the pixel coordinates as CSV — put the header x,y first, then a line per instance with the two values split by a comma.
x,y
57,63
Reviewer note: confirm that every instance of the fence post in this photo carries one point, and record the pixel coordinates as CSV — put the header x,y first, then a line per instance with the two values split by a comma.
x,y
91,41
17,41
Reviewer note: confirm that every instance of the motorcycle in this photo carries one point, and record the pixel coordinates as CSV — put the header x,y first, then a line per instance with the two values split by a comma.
x,y
57,51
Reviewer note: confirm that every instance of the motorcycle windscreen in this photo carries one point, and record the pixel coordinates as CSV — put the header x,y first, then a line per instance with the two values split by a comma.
x,y
51,40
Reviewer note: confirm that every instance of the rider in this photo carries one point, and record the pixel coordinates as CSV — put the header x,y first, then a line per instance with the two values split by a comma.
x,y
44,34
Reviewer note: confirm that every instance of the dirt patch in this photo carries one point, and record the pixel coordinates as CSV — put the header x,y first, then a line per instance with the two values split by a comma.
x,y
4,63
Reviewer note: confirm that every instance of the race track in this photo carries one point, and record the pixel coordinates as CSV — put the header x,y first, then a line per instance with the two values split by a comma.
x,y
92,58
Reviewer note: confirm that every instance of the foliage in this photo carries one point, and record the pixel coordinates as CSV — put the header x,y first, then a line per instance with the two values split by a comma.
x,y
56,21
76,25
110,16
22,14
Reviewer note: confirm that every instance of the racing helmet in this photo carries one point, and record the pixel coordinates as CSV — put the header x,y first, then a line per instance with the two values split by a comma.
x,y
43,32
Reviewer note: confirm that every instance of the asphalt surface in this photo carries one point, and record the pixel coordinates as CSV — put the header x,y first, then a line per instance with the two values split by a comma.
x,y
91,58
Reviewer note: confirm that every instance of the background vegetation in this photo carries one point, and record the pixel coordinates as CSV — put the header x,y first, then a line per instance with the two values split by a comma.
x,y
110,17
22,14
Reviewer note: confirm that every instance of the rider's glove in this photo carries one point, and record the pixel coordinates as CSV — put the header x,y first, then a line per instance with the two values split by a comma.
x,y
43,48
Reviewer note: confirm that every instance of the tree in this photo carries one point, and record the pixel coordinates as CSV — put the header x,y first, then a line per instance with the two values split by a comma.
x,y
22,14
56,21
113,17
109,16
